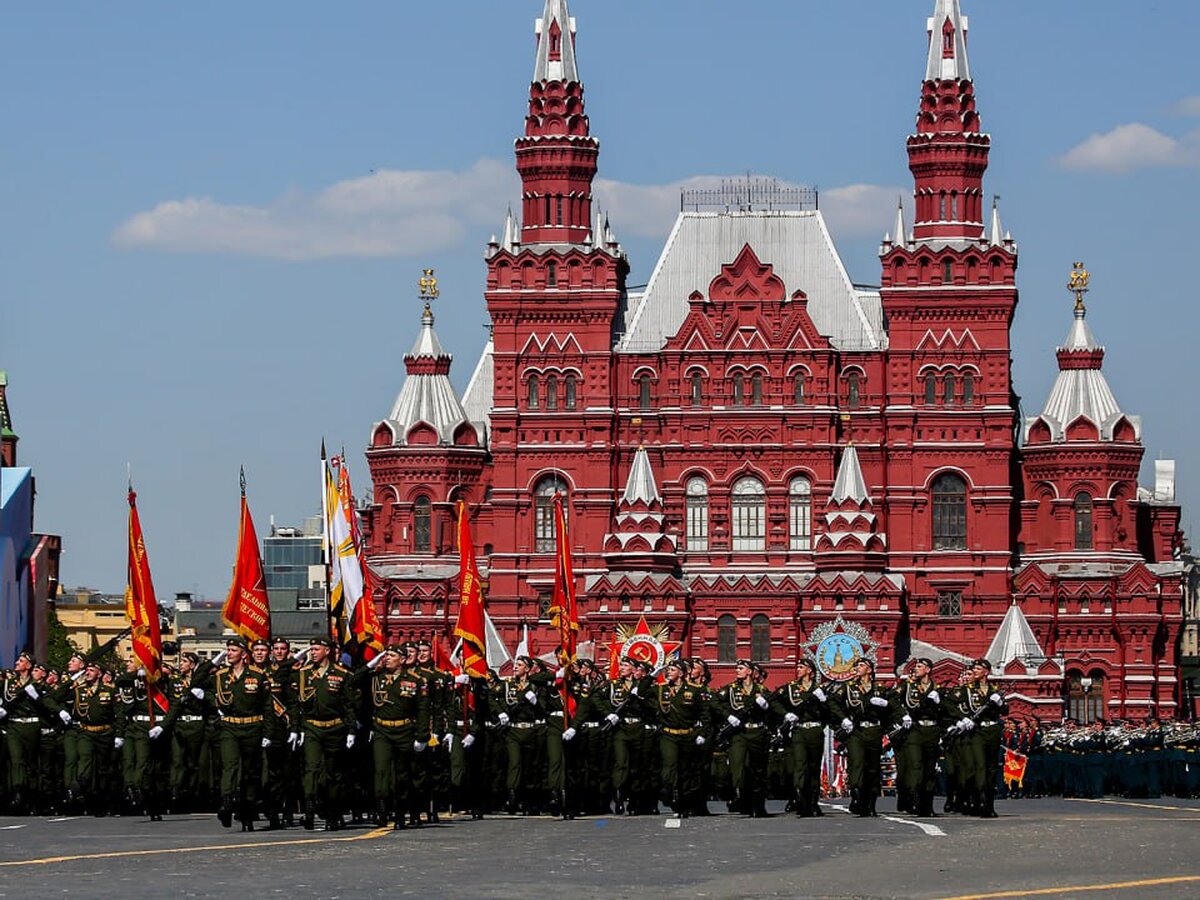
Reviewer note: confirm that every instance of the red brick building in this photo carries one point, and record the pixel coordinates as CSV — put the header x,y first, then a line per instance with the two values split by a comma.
x,y
753,446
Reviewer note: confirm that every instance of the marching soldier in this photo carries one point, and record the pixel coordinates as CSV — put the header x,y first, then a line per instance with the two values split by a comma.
x,y
679,708
801,704
242,694
276,729
744,704
144,755
980,707
588,741
324,712
623,716
923,718
190,706
554,753
20,709
433,767
59,698
90,706
863,708
519,712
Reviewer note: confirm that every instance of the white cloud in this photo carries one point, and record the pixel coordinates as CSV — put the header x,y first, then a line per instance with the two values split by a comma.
x,y
413,213
1133,146
1188,106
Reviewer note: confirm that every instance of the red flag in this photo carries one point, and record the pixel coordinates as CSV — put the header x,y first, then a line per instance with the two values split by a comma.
x,y
247,609
364,624
1014,767
141,608
564,613
470,625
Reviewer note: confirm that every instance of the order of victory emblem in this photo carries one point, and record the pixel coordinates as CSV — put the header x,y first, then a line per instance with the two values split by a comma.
x,y
836,646
645,642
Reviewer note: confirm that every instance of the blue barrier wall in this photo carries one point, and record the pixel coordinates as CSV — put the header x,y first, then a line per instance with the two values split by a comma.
x,y
16,543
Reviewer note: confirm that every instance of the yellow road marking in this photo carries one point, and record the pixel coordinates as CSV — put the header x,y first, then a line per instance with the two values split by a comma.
x,y
1188,809
1112,886
249,845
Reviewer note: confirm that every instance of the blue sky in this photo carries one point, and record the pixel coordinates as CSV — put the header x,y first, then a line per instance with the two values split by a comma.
x,y
213,216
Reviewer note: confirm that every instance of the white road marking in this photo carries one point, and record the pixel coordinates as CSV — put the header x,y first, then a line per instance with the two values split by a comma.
x,y
65,819
10,827
931,830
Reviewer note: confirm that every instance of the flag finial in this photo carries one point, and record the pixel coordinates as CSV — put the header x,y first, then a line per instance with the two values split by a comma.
x,y
242,478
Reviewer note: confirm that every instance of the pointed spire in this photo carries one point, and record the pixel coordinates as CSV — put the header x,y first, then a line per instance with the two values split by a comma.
x,y
509,240
850,484
899,230
427,345
641,485
555,32
947,44
996,240
1015,640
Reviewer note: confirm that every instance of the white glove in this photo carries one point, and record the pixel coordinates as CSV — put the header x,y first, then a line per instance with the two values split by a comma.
x,y
370,736
141,673
154,732
996,699
761,701
934,696
4,713
349,742
418,746
266,742
503,718
966,724
375,661
462,679
293,740
448,740
634,690
63,714
118,743
198,693
906,721
78,675
791,718
531,696
819,694
560,674
31,691
568,734
700,740
734,721
847,726
878,701
468,740
612,718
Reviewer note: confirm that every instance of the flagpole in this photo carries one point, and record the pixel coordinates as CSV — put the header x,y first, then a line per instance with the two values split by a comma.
x,y
329,623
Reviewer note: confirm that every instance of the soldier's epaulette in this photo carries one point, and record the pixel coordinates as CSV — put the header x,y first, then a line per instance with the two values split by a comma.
x,y
340,669
254,668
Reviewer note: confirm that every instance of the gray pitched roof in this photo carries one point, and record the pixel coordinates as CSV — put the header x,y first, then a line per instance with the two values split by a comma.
x,y
478,397
795,242
1014,640
641,484
850,484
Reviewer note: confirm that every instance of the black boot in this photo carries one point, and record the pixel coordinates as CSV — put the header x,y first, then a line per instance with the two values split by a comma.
x,y
799,805
310,815
814,802
510,805
225,811
246,816
854,801
381,813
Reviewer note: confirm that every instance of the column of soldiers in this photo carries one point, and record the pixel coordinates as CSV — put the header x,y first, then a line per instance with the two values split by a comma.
x,y
265,736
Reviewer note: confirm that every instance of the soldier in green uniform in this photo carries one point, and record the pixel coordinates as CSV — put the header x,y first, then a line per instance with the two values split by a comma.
x,y
276,729
979,707
50,759
554,754
801,704
399,698
144,755
59,697
588,794
624,715
324,711
90,707
190,705
700,676
242,695
744,704
433,766
864,709
923,718
519,712
679,706
21,702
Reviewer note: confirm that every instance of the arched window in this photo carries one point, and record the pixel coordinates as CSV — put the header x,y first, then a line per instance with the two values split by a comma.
x,y
726,639
558,210
930,389
749,515
739,389
551,392
533,392
942,206
543,512
697,388
1085,697
949,512
756,389
760,639
552,266
947,271
697,514
422,525
949,383
644,391
798,391
800,513
853,389
1083,521
968,390
571,387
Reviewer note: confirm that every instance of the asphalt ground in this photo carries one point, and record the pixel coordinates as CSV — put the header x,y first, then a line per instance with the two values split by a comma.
x,y
1037,848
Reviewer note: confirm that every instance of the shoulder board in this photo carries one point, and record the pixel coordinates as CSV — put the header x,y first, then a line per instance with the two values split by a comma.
x,y
256,670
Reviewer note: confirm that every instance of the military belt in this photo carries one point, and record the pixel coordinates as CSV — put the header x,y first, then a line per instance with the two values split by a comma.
x,y
395,723
556,715
140,718
926,722
808,725
322,723
753,726
191,718
628,720
870,723
242,720
527,724
96,727
27,721
988,722
590,724
677,730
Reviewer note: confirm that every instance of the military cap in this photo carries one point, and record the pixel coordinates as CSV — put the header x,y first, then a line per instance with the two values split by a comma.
x,y
394,647
746,663
644,664
924,660
807,661
759,668
407,646
676,663
194,657
866,660
584,663
26,655
281,640
93,664
79,656
982,663
260,642
321,641
628,659
424,643
528,660
42,666
236,641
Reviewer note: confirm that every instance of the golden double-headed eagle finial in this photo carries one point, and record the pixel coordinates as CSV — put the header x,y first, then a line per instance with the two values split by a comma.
x,y
428,285
1078,285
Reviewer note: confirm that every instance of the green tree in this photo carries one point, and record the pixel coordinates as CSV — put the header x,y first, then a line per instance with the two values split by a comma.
x,y
59,647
